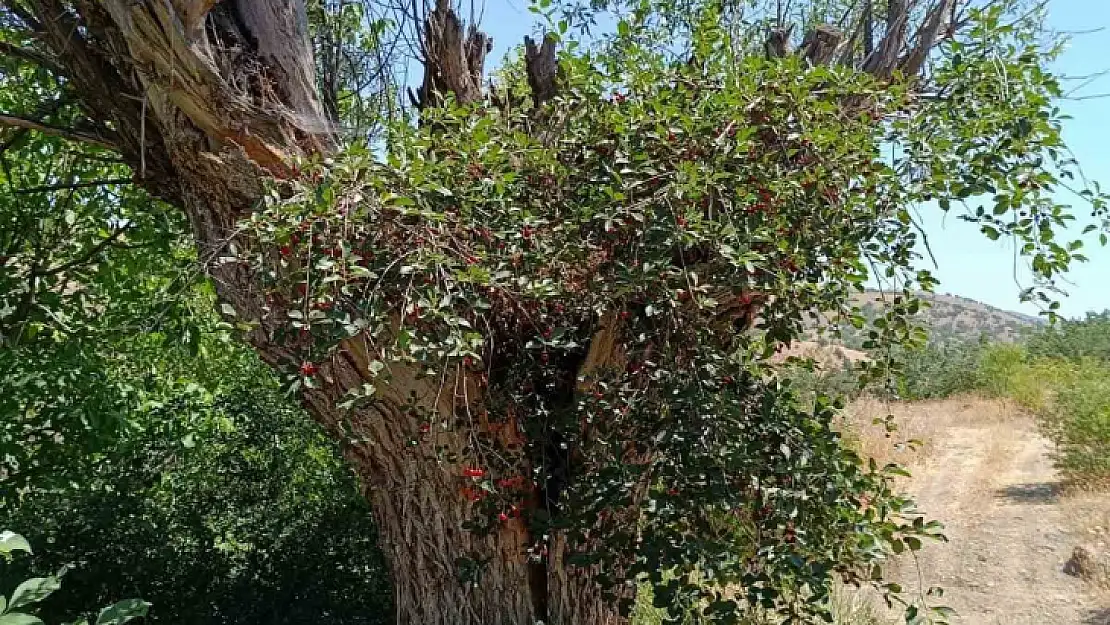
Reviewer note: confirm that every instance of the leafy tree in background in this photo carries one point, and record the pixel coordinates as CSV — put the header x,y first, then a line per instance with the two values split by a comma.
x,y
1075,339
218,504
541,330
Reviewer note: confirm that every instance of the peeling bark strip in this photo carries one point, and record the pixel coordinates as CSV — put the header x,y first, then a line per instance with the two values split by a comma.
x,y
203,99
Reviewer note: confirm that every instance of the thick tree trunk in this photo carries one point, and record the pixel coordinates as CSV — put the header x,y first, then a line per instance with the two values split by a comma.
x,y
206,100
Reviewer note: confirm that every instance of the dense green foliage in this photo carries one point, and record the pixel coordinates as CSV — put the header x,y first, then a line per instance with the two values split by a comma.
x,y
217,506
213,498
1063,375
1075,339
677,197
20,608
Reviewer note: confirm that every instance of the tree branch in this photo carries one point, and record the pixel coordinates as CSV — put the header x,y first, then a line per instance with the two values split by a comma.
x,y
542,68
43,61
74,185
926,38
71,134
46,109
87,256
820,44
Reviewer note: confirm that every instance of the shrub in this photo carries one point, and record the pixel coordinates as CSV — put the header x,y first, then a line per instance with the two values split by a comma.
x,y
1078,421
940,370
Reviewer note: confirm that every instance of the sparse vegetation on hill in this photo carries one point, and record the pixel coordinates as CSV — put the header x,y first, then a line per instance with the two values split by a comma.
x,y
950,319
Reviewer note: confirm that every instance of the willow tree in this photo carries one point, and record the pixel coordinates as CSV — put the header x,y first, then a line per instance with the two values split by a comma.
x,y
541,325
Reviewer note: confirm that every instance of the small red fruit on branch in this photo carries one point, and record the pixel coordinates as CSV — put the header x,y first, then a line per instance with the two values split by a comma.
x,y
473,472
308,369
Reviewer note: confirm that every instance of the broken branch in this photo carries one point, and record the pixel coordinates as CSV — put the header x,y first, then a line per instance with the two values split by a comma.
x,y
71,134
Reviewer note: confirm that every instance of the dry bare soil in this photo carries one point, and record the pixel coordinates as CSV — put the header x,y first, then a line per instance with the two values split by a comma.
x,y
987,474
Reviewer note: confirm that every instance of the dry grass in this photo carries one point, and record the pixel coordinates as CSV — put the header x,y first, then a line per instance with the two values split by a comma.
x,y
925,424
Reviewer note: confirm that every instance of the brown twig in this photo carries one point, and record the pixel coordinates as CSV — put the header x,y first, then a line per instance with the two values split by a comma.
x,y
71,134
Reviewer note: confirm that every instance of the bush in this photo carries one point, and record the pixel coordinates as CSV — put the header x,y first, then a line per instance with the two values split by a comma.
x,y
1070,396
255,520
21,606
1078,421
940,370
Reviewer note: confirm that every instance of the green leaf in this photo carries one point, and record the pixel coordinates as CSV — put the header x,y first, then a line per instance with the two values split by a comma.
x,y
122,612
19,618
11,542
34,590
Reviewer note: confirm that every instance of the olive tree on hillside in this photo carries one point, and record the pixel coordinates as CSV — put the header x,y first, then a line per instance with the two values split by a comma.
x,y
541,325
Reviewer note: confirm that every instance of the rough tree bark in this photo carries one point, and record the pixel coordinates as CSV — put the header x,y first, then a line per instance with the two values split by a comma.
x,y
204,99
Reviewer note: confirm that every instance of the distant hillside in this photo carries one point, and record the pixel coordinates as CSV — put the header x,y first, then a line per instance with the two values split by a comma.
x,y
954,318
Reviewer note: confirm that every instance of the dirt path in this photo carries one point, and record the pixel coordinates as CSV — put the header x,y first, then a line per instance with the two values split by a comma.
x,y
991,481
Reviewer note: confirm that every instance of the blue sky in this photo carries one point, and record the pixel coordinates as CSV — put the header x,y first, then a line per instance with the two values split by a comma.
x,y
969,264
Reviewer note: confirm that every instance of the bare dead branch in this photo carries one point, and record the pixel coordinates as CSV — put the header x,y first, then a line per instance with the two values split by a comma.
x,y
542,68
778,42
70,134
868,28
821,44
453,63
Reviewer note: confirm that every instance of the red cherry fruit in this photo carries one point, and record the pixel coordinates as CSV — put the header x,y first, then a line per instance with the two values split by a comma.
x,y
502,517
308,369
